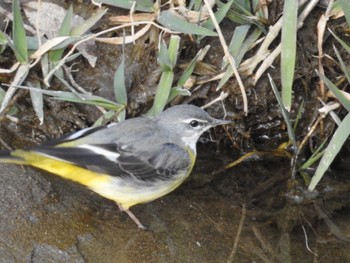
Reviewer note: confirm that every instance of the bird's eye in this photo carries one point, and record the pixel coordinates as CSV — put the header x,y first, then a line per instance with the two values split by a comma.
x,y
194,123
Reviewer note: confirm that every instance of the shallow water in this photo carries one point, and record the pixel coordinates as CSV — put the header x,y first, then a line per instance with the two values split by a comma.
x,y
46,219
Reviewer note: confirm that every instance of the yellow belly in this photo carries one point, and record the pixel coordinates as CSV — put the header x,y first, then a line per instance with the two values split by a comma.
x,y
126,191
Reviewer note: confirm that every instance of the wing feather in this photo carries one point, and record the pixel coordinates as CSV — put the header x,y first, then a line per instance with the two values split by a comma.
x,y
164,160
135,147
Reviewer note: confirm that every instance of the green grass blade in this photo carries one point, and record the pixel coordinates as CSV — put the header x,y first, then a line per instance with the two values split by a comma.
x,y
89,100
119,87
240,13
162,94
316,155
288,52
64,30
3,41
333,148
176,22
219,15
80,98
21,75
33,42
345,5
243,8
141,5
89,23
239,35
299,115
239,56
247,44
168,55
173,49
167,60
37,101
19,34
163,57
284,113
235,47
176,91
13,110
53,44
195,5
189,69
345,46
105,118
340,96
66,25
225,78
3,38
342,64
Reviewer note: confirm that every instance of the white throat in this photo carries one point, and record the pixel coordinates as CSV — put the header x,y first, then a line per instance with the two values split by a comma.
x,y
191,142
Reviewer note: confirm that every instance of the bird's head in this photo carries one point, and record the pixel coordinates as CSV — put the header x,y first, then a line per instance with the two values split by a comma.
x,y
189,122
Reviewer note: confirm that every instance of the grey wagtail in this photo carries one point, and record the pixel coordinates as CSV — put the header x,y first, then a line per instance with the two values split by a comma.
x,y
130,162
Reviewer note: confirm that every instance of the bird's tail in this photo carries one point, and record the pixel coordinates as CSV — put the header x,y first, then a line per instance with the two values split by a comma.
x,y
7,157
55,166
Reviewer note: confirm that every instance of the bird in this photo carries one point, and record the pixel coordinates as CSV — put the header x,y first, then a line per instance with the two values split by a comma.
x,y
131,162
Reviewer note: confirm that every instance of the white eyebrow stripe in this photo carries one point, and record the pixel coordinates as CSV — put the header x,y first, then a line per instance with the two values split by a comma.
x,y
112,156
194,119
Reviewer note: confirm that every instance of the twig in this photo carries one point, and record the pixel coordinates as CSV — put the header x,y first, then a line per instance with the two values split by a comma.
x,y
68,71
238,235
311,131
228,56
221,97
307,242
5,144
132,11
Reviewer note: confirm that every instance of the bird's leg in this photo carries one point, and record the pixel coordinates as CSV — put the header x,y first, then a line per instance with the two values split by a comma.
x,y
120,207
133,217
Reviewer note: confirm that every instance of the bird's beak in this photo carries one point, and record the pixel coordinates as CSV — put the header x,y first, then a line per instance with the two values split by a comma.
x,y
217,122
